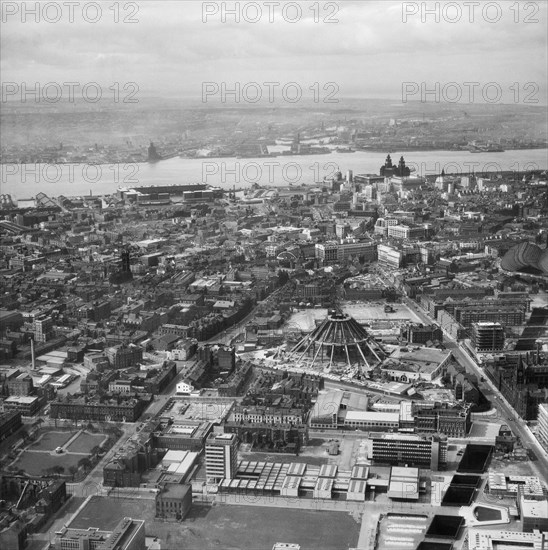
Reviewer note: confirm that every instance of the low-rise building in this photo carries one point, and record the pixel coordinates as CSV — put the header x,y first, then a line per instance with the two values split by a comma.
x,y
182,436
174,501
534,514
403,483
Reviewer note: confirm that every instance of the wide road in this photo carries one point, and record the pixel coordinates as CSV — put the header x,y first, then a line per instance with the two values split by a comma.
x,y
227,335
508,414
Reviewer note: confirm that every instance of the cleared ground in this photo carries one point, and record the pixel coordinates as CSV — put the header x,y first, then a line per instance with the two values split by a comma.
x,y
229,527
305,320
248,528
189,410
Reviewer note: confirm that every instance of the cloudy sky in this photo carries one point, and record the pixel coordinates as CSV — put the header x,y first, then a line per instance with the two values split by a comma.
x,y
166,48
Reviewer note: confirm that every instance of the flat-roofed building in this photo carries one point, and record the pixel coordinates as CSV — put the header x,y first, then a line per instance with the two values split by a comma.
x,y
409,450
271,415
43,329
529,487
10,320
26,405
389,255
495,539
442,418
487,337
174,501
327,252
534,514
180,469
404,483
422,364
383,224
406,232
81,539
120,386
331,407
371,420
221,456
349,248
184,435
129,534
22,384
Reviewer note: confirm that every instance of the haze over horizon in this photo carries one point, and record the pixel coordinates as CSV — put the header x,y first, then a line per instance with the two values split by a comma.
x,y
169,51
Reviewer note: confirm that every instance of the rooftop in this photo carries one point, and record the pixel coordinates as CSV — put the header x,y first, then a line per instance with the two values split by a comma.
x,y
534,508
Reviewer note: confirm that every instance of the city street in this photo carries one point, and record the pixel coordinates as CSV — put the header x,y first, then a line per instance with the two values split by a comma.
x,y
508,414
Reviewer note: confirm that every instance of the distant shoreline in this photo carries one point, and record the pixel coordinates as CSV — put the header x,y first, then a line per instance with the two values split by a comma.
x,y
380,150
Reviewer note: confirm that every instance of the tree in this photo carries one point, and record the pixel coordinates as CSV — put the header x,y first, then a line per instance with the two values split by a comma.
x,y
58,469
85,463
283,277
95,450
72,471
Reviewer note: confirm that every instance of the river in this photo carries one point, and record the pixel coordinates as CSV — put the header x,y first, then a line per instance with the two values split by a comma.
x,y
25,181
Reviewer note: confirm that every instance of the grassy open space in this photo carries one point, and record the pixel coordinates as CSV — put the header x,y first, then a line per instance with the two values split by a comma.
x,y
49,441
85,442
37,458
228,527
35,463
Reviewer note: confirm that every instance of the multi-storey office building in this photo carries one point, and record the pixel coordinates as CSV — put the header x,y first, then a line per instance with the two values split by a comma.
x,y
221,456
409,450
487,337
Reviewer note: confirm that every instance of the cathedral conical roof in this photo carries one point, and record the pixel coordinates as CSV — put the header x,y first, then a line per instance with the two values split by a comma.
x,y
339,335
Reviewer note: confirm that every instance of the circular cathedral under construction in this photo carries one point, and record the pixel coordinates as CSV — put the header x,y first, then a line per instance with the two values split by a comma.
x,y
338,338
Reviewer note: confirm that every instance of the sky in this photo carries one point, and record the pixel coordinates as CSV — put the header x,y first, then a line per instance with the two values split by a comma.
x,y
369,48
